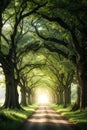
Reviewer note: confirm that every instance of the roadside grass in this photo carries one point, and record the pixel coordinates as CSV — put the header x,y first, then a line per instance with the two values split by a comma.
x,y
12,119
78,117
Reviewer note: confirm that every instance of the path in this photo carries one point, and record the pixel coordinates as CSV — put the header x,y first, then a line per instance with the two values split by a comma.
x,y
46,118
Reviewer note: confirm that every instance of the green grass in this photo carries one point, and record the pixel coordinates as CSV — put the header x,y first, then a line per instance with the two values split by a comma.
x,y
12,119
78,117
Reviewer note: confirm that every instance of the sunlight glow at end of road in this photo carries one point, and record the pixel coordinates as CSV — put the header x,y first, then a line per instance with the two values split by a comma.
x,y
43,99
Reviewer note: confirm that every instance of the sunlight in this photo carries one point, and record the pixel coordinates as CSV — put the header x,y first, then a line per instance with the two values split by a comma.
x,y
43,99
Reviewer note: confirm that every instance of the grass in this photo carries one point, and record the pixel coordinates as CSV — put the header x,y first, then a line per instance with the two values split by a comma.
x,y
12,119
78,117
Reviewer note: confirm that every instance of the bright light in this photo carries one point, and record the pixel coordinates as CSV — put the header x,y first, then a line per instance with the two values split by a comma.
x,y
43,99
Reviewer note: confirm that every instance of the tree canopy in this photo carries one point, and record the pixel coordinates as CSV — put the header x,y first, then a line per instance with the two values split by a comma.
x,y
47,37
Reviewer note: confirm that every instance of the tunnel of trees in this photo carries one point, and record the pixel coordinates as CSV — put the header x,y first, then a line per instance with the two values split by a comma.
x,y
44,43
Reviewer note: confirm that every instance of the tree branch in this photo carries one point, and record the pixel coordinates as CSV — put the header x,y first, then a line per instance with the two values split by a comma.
x,y
50,39
54,49
58,20
5,38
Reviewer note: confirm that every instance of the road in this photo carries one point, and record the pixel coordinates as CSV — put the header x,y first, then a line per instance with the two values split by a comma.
x,y
46,118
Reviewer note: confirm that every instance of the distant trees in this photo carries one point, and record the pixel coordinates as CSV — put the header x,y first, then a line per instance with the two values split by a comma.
x,y
63,71
28,82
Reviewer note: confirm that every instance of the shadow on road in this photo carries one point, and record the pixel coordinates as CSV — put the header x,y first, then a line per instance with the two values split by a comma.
x,y
45,118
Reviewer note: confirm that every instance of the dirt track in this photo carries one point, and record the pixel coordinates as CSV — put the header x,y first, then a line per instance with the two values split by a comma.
x,y
45,118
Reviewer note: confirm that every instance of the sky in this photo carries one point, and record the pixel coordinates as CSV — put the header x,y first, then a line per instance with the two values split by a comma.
x,y
2,95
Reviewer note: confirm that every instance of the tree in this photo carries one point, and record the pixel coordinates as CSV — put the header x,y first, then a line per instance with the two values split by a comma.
x,y
64,77
13,16
72,20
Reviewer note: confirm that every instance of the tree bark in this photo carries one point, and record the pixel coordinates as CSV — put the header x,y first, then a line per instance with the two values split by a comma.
x,y
81,101
57,98
77,103
0,23
83,83
65,97
54,98
61,97
29,98
11,97
23,97
69,95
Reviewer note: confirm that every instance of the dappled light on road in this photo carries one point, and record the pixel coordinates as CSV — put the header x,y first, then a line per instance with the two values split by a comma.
x,y
45,118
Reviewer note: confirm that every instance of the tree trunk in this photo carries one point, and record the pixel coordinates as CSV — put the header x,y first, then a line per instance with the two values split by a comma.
x,y
77,103
54,98
23,97
69,95
0,24
83,83
11,97
29,98
81,102
57,98
33,97
0,27
65,97
61,97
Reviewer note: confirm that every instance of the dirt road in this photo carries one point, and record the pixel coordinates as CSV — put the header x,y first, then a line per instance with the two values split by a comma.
x,y
46,118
